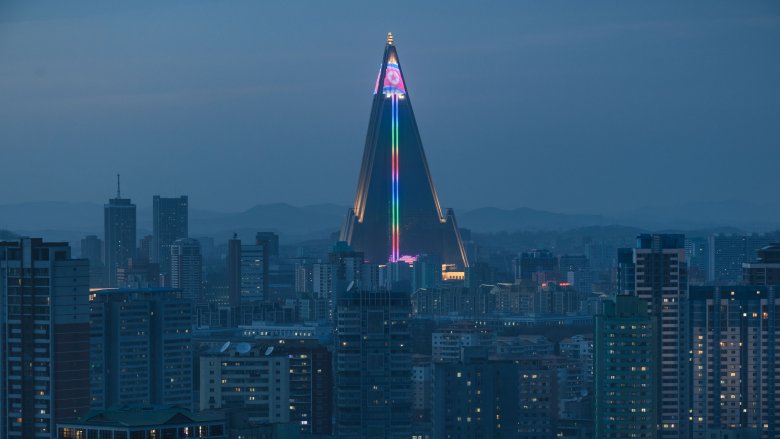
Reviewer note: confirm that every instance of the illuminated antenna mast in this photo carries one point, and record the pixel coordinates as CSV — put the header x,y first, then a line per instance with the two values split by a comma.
x,y
389,38
118,192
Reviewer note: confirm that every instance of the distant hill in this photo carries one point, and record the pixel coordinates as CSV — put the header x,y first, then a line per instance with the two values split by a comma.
x,y
71,221
492,219
279,217
702,215
52,215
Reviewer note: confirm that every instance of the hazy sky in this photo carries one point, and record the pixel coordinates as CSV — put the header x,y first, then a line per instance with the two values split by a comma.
x,y
565,106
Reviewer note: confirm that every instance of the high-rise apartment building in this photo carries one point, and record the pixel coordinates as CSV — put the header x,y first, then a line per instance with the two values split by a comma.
x,y
427,273
580,348
304,275
254,272
475,397
324,285
187,268
529,265
626,272
697,252
44,327
575,270
348,264
766,269
447,343
662,280
373,365
311,385
330,279
234,272
92,250
422,392
141,348
119,234
144,251
538,394
138,273
729,252
626,376
736,342
170,221
270,239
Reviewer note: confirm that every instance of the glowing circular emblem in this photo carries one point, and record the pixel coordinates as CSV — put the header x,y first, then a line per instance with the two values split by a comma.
x,y
393,77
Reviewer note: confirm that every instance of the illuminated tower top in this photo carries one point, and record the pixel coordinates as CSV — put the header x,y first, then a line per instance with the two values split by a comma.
x,y
397,215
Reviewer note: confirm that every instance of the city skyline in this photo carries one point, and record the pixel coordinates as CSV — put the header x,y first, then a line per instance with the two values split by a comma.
x,y
620,81
197,270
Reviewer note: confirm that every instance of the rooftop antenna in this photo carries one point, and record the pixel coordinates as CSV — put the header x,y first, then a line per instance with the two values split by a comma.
x,y
389,38
118,192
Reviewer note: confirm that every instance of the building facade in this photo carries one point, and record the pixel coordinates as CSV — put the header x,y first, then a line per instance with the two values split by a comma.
x,y
735,333
661,278
119,235
729,252
170,221
311,385
373,365
187,268
234,272
140,348
626,390
766,269
529,265
44,324
147,422
247,377
92,249
475,397
447,343
254,272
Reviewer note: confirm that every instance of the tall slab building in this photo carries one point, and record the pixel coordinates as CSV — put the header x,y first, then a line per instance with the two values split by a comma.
x,y
140,348
735,336
661,278
169,223
397,215
119,234
373,365
626,393
44,328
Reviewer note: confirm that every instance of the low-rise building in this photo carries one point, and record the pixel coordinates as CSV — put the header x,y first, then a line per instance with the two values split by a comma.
x,y
148,422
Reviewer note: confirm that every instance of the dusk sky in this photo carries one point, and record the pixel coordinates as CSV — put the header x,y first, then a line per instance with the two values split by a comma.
x,y
593,107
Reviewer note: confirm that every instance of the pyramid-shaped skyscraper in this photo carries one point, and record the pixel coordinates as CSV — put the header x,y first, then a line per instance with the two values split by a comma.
x,y
397,215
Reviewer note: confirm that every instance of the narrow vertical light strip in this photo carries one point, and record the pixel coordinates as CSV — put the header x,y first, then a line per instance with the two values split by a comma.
x,y
394,217
397,197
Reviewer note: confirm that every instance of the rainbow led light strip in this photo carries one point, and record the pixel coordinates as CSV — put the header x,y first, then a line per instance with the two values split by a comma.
x,y
395,232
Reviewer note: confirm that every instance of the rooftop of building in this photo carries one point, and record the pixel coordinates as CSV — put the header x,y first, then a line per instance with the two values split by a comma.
x,y
733,292
145,417
464,327
769,254
133,290
35,241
